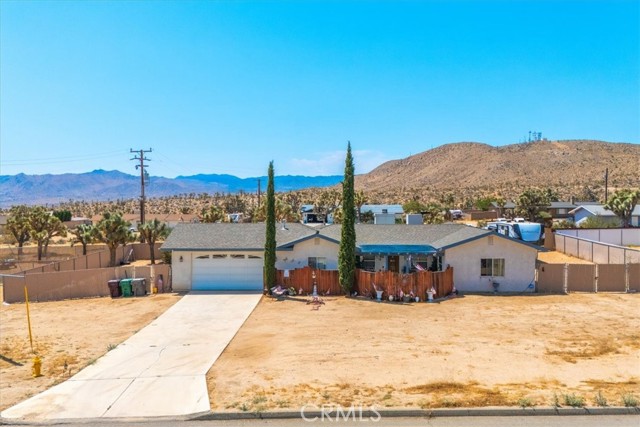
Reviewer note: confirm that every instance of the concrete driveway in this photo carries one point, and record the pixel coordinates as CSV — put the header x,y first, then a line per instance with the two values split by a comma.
x,y
159,371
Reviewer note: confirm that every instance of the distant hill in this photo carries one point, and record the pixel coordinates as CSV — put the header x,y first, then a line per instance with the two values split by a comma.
x,y
465,165
112,185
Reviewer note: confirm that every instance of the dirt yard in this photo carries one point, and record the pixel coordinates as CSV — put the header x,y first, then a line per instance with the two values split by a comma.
x,y
68,335
468,351
554,257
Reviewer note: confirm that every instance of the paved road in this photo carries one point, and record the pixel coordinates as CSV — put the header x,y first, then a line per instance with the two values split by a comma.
x,y
529,421
160,371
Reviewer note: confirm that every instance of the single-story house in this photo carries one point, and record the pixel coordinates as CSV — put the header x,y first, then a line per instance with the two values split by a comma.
x,y
582,212
557,210
560,210
230,256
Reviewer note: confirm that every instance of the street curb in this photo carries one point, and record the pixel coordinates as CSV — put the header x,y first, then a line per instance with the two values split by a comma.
x,y
420,413
504,411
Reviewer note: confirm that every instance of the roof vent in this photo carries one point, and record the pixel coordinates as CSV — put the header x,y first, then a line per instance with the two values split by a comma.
x,y
284,225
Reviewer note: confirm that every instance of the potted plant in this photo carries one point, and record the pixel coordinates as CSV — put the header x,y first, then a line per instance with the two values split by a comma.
x,y
379,292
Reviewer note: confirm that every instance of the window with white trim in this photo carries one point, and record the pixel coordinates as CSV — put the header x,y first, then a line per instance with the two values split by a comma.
x,y
318,262
492,267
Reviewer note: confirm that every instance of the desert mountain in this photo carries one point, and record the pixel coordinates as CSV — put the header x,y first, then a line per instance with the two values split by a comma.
x,y
471,165
113,185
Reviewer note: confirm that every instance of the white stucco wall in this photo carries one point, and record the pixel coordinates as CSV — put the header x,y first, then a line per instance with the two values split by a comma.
x,y
519,270
314,247
181,271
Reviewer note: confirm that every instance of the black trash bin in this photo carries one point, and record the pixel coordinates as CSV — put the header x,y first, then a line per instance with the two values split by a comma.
x,y
139,287
114,288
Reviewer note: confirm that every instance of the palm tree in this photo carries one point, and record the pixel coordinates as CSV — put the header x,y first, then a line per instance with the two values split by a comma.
x,y
114,231
152,231
622,203
83,234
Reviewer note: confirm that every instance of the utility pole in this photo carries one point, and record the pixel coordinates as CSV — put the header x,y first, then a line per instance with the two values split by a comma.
x,y
140,157
606,185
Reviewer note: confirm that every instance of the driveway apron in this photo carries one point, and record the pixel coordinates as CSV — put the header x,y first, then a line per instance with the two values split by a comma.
x,y
159,371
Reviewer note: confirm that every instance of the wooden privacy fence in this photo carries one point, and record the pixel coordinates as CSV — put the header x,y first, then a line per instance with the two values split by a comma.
x,y
563,278
327,282
391,283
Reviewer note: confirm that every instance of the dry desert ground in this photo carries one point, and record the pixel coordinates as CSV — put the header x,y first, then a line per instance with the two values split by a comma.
x,y
469,351
68,335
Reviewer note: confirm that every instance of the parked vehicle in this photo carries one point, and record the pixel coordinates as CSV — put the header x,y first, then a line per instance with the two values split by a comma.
x,y
521,230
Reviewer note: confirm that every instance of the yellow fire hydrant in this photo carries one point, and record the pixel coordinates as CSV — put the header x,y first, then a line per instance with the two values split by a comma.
x,y
37,365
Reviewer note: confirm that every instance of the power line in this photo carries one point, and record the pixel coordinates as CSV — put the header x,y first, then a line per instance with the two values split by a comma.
x,y
55,160
141,158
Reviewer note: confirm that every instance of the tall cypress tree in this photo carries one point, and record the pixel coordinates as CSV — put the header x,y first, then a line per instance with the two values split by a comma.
x,y
270,238
347,254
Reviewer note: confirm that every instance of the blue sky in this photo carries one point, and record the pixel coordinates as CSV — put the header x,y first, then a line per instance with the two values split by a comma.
x,y
225,87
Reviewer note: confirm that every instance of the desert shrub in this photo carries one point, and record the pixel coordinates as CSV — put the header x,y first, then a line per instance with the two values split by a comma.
x,y
599,222
573,400
629,400
600,399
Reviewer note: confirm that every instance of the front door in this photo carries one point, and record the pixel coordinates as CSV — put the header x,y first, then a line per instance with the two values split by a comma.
x,y
394,263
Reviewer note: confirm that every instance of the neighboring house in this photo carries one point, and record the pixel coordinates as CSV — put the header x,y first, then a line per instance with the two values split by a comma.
x,y
557,210
395,210
582,212
508,209
230,256
310,216
561,210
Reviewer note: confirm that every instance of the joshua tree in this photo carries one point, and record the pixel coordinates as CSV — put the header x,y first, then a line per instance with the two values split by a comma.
x,y
213,214
532,201
622,203
83,234
18,225
113,230
152,231
42,227
360,199
347,251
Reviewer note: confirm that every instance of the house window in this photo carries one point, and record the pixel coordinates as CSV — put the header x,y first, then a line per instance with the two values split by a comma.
x,y
318,262
493,267
369,262
420,262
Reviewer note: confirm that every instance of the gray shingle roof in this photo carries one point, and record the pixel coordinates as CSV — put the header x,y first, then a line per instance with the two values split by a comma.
x,y
231,236
225,236
437,235
599,210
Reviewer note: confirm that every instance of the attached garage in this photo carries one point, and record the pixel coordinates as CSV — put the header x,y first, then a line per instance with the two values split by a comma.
x,y
221,272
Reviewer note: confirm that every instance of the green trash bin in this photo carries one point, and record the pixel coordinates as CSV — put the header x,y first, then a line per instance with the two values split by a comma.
x,y
125,287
